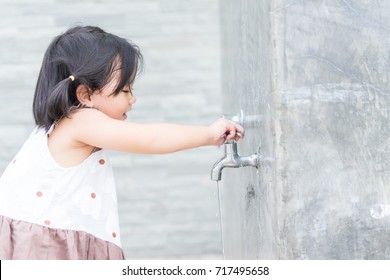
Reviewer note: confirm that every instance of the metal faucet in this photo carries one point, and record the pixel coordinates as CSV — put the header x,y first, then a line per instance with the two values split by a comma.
x,y
233,160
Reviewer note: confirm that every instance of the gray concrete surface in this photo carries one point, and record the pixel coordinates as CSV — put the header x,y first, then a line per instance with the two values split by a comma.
x,y
168,206
318,74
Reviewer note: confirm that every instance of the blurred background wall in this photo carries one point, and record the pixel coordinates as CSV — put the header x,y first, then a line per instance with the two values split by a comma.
x,y
168,206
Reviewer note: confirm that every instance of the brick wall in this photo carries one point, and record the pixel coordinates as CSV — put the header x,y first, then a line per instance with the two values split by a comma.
x,y
168,206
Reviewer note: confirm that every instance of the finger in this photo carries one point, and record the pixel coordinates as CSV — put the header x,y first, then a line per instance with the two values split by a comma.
x,y
229,135
240,129
238,138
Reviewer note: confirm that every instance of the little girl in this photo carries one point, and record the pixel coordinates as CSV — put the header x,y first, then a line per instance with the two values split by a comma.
x,y
57,196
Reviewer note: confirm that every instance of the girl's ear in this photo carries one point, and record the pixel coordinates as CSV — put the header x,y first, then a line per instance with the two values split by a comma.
x,y
83,94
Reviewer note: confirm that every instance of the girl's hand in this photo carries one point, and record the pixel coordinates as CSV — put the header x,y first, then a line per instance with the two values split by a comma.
x,y
224,129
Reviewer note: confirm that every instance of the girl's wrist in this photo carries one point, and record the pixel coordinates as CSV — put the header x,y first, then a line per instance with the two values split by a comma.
x,y
213,135
211,138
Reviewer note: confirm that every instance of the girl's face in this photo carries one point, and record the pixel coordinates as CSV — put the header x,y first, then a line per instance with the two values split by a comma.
x,y
114,106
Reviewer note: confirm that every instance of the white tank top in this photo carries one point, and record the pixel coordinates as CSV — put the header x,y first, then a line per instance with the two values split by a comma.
x,y
34,188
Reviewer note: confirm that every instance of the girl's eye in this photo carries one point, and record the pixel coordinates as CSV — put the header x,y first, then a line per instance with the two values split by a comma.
x,y
128,91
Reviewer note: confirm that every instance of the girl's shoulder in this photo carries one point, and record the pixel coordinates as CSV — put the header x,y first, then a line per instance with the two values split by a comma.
x,y
84,119
94,128
86,114
63,141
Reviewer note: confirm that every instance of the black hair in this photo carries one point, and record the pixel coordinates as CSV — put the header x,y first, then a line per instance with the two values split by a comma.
x,y
90,55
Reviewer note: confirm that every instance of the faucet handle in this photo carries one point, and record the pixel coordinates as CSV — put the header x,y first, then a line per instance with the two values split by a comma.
x,y
233,140
241,134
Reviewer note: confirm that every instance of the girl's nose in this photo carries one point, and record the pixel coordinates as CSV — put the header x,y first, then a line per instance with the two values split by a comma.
x,y
133,99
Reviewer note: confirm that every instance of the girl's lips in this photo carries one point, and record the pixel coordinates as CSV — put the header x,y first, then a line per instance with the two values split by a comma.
x,y
124,116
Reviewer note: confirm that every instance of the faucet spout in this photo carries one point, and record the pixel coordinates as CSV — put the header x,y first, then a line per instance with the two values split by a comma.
x,y
231,159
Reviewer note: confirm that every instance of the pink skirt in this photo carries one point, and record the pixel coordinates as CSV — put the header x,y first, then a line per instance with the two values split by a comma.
x,y
21,240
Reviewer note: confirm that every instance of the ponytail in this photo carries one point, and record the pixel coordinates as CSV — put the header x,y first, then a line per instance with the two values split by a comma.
x,y
52,100
58,101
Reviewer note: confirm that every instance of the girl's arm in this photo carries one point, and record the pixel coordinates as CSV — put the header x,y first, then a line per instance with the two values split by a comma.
x,y
94,128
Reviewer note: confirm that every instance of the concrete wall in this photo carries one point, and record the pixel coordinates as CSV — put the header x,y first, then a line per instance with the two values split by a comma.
x,y
318,73
167,203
